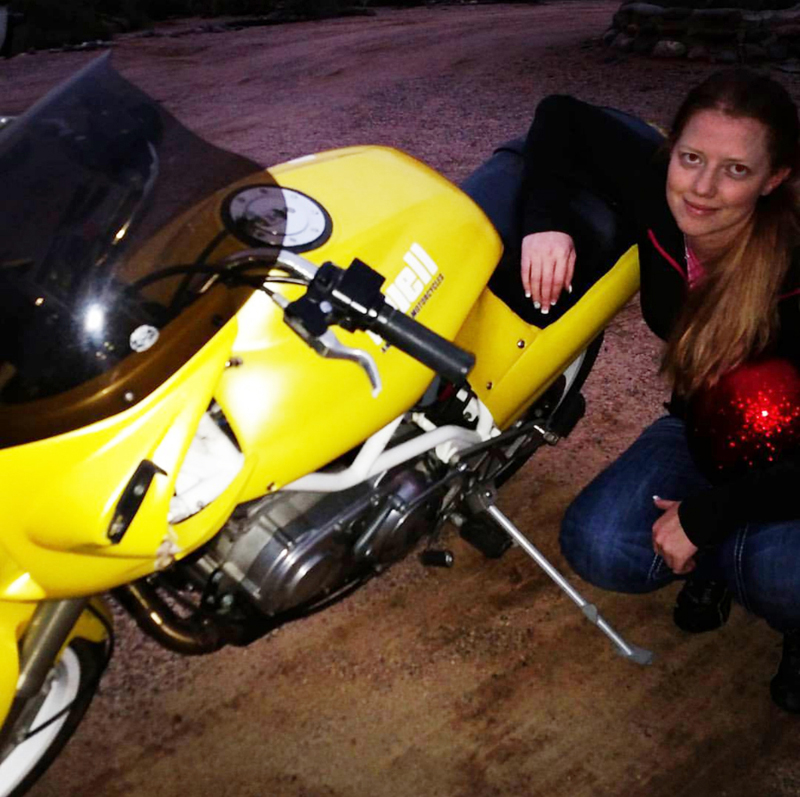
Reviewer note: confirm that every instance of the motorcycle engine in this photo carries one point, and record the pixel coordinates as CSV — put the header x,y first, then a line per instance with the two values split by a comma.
x,y
292,549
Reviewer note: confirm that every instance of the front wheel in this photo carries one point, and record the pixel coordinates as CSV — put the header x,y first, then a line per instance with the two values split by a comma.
x,y
70,687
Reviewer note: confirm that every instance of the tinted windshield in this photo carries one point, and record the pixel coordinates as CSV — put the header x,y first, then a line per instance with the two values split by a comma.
x,y
94,296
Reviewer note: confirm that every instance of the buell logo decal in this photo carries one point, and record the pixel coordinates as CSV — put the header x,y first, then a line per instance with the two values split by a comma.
x,y
411,289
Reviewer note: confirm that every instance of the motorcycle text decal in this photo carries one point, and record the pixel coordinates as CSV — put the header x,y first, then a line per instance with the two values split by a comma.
x,y
427,295
411,289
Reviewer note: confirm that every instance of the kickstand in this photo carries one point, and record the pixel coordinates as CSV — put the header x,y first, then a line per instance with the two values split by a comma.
x,y
485,500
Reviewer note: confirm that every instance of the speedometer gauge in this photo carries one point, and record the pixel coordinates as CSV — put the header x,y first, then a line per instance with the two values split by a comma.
x,y
266,215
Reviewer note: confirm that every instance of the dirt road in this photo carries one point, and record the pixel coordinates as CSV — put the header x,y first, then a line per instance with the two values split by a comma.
x,y
482,680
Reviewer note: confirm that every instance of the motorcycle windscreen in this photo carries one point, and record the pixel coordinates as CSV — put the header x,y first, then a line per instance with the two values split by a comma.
x,y
98,305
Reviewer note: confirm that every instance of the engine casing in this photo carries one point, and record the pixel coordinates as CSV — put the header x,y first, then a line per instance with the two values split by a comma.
x,y
293,549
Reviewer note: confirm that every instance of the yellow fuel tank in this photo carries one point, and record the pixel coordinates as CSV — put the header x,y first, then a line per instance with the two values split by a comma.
x,y
436,249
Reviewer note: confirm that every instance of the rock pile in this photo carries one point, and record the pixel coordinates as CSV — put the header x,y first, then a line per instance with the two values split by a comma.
x,y
726,31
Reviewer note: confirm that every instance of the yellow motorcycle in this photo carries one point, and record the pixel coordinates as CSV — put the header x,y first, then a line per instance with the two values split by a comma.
x,y
230,396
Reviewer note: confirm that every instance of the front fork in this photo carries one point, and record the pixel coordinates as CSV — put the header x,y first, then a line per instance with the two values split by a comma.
x,y
50,627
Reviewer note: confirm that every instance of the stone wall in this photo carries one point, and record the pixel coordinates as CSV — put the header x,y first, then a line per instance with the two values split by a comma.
x,y
730,34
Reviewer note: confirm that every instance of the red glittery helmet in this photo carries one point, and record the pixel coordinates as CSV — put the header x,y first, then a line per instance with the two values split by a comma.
x,y
747,419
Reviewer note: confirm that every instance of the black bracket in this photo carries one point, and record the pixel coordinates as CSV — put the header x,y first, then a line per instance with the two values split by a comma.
x,y
481,498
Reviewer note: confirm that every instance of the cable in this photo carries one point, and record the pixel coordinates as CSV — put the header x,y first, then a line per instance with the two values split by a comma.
x,y
227,275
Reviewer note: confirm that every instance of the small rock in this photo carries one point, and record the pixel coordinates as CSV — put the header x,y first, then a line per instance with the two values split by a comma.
x,y
643,45
620,20
645,9
717,16
673,27
668,48
719,33
651,25
727,56
609,36
623,42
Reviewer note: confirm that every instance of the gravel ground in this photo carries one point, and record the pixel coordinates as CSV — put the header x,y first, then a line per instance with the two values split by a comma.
x,y
482,680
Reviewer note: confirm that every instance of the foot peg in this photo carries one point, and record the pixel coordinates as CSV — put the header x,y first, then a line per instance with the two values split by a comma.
x,y
632,652
433,557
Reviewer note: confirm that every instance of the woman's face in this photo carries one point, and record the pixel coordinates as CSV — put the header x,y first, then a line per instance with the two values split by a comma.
x,y
718,169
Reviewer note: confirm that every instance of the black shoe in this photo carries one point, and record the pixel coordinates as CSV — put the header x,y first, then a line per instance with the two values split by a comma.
x,y
785,686
702,606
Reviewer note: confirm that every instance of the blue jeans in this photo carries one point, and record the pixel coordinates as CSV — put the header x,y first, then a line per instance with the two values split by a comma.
x,y
606,532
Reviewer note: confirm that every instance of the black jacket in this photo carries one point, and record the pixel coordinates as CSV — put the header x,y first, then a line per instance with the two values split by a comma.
x,y
571,145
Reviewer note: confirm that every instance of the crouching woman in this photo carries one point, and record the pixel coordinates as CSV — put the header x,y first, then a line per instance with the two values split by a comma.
x,y
710,493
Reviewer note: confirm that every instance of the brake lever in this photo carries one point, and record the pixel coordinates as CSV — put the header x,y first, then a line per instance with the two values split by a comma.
x,y
329,346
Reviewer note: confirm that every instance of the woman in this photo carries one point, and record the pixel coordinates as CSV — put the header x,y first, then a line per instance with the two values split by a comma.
x,y
711,492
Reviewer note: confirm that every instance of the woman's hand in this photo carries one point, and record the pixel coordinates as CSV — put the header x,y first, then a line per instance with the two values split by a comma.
x,y
548,263
670,540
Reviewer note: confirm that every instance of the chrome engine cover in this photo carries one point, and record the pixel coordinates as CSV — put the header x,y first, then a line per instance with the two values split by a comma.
x,y
292,549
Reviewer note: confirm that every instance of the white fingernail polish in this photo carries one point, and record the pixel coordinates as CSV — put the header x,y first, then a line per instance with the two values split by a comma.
x,y
569,288
537,305
527,295
545,310
656,497
553,304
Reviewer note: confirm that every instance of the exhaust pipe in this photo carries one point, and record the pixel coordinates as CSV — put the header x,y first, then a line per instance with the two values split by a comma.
x,y
191,636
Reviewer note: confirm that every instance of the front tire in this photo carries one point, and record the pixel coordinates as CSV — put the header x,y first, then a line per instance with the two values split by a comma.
x,y
72,684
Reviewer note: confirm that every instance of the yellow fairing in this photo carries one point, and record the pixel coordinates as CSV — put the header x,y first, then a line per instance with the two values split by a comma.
x,y
14,619
57,495
517,362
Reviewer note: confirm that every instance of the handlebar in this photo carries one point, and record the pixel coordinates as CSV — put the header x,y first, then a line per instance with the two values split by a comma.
x,y
352,298
421,343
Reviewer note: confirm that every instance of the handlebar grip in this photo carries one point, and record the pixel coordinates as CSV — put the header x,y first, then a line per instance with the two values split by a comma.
x,y
415,339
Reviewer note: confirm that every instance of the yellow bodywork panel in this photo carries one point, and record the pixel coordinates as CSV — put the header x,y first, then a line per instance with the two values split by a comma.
x,y
14,617
58,495
517,362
